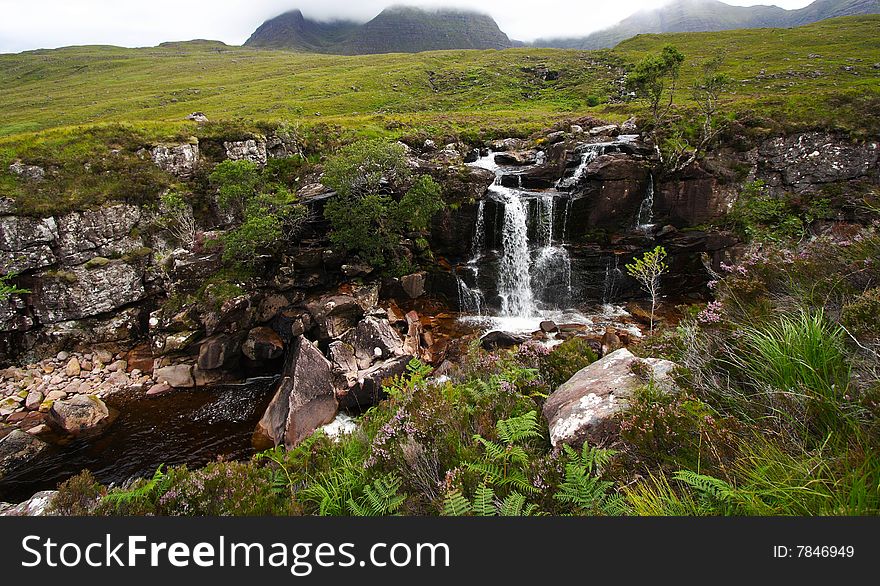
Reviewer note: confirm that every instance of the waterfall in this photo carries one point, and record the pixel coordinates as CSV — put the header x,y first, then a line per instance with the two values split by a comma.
x,y
470,300
479,232
514,279
590,154
646,210
612,273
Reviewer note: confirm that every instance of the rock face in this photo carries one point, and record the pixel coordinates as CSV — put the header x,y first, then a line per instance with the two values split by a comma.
x,y
801,160
247,150
336,314
179,160
85,292
17,449
81,415
305,400
414,285
585,408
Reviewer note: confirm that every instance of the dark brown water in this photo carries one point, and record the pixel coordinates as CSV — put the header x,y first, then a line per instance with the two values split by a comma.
x,y
189,427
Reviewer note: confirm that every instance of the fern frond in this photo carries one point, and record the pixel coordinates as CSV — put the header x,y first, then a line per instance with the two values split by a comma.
x,y
518,429
456,505
484,501
707,485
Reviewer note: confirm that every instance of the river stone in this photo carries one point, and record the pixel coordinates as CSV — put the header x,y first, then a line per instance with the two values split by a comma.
x,y
263,344
18,449
585,408
178,376
33,401
217,351
496,340
79,415
305,399
73,368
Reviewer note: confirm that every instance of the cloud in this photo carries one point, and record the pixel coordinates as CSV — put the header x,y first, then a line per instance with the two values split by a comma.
x,y
36,24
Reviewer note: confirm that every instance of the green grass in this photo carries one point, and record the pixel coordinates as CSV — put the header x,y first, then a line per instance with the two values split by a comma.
x,y
83,112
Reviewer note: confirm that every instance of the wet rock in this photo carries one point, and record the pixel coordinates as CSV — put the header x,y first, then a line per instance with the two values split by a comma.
x,y
549,326
516,158
178,376
414,285
140,358
247,150
159,389
497,340
507,144
373,339
18,449
305,399
336,314
179,160
585,408
368,389
218,351
263,344
80,415
607,130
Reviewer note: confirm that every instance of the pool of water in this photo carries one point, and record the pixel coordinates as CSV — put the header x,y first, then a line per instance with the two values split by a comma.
x,y
191,427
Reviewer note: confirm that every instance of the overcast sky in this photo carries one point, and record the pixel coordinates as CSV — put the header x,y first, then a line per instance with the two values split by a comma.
x,y
35,24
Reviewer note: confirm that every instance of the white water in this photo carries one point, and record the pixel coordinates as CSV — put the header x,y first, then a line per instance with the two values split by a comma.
x,y
646,210
534,276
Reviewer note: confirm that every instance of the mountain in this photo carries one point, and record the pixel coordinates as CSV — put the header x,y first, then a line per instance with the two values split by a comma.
x,y
394,30
712,15
292,30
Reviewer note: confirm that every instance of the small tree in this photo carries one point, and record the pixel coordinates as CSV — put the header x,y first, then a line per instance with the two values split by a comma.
x,y
237,182
176,217
647,271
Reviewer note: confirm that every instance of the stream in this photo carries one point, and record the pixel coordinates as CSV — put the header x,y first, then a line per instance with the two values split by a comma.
x,y
191,427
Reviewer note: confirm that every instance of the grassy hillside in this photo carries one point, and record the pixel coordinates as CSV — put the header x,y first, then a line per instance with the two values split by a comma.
x,y
70,109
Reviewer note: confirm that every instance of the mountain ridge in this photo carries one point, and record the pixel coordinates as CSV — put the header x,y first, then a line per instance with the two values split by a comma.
x,y
398,29
711,16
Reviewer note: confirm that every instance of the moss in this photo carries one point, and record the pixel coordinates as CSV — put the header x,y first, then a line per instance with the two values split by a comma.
x,y
97,263
132,256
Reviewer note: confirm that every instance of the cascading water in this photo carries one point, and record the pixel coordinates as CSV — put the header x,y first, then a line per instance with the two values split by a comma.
x,y
646,210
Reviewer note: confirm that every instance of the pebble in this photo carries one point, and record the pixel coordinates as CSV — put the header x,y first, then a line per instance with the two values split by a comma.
x,y
73,367
56,396
62,356
39,429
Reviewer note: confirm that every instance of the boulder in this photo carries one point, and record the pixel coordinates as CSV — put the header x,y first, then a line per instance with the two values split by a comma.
x,y
585,408
414,285
305,400
516,158
495,340
218,351
342,357
73,367
18,449
336,314
368,389
373,339
28,172
549,326
179,376
80,415
263,344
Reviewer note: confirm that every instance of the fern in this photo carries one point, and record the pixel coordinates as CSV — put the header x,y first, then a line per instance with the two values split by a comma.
x,y
456,504
582,487
149,491
518,429
486,504
380,499
709,486
415,376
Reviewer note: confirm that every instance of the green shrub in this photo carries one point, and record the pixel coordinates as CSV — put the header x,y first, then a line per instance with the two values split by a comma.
x,y
365,216
236,182
757,215
269,221
862,315
565,360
